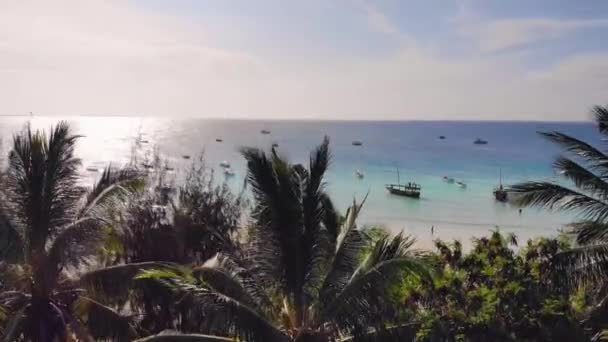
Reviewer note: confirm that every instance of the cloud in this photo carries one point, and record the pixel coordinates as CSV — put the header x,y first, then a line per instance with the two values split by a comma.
x,y
504,34
107,57
379,22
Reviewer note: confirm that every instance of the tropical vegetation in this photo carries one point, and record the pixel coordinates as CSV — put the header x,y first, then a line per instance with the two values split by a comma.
x,y
140,256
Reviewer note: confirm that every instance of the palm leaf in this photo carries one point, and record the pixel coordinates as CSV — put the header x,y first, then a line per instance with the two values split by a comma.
x,y
590,232
15,326
581,177
11,241
601,118
113,186
75,243
363,297
596,159
349,248
582,265
174,336
229,314
102,322
114,284
550,195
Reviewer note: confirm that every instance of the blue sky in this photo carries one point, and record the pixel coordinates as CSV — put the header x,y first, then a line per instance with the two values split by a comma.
x,y
338,59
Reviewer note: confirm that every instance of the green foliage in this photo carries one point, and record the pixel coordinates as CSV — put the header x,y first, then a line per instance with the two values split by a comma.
x,y
493,294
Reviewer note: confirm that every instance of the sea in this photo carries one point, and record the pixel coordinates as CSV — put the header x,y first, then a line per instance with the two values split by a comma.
x,y
412,148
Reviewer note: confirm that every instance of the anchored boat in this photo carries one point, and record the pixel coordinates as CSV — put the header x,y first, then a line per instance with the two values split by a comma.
x,y
408,190
500,194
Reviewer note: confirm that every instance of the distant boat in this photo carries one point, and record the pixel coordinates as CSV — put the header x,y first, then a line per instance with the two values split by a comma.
x,y
359,174
357,143
480,141
219,140
448,179
185,156
265,131
225,164
92,169
500,194
442,137
408,190
228,172
461,184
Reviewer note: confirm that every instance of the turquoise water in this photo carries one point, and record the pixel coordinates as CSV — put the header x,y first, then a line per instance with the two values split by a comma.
x,y
411,147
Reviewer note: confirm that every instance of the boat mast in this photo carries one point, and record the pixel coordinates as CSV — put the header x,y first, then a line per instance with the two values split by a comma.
x,y
398,180
500,176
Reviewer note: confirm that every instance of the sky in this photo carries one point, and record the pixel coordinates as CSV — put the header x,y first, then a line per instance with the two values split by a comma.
x,y
308,59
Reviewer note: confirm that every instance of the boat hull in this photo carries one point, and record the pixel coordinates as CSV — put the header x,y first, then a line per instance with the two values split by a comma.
x,y
404,192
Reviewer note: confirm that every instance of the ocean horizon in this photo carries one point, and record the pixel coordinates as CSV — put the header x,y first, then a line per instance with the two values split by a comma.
x,y
413,147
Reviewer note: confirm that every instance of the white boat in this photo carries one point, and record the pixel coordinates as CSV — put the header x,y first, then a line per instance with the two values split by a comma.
x,y
448,179
225,164
359,174
461,184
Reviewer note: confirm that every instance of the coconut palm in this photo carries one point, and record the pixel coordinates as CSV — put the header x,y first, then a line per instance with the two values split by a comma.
x,y
305,274
57,225
585,167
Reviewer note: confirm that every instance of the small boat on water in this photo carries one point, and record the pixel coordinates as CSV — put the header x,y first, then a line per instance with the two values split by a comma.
x,y
500,194
92,169
225,164
448,179
228,172
185,156
408,190
461,184
264,131
359,174
357,143
480,141
442,137
219,140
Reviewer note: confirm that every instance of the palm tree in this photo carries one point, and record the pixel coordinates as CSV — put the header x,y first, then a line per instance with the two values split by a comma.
x,y
304,273
586,169
57,225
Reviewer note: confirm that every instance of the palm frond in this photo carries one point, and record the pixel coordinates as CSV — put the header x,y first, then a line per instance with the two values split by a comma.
x,y
75,244
114,185
363,297
554,196
590,232
600,114
225,283
229,314
11,241
175,336
318,240
581,177
15,326
13,276
113,284
102,322
596,159
582,265
14,300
